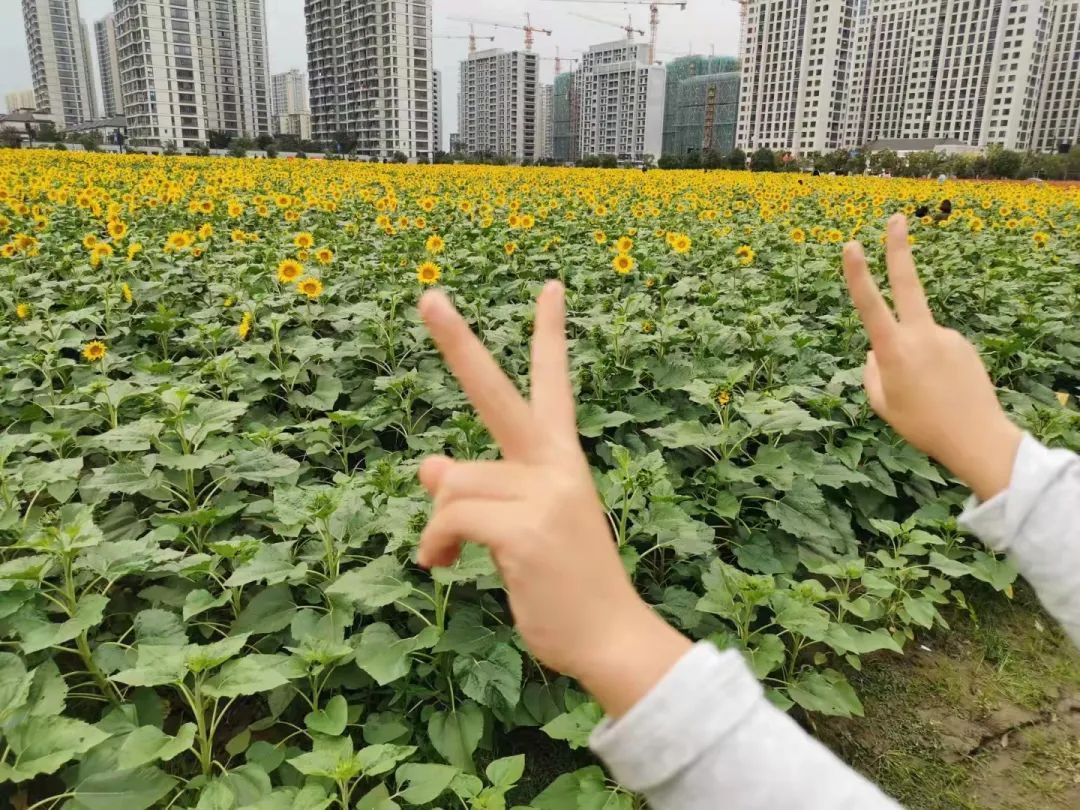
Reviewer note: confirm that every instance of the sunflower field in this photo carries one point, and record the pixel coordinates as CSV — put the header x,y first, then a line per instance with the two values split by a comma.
x,y
215,392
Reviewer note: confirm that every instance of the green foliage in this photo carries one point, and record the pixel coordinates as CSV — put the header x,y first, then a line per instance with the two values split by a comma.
x,y
208,588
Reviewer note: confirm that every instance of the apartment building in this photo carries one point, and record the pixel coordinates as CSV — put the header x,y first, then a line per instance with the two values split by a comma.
x,y
701,104
497,103
192,67
59,63
370,74
820,75
566,119
109,65
621,100
1057,123
19,100
437,123
545,122
289,110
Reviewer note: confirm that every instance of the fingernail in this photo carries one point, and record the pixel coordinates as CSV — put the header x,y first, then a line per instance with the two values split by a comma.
x,y
434,305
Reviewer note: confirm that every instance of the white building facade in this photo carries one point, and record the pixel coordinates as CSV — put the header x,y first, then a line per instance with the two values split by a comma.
x,y
437,124
621,101
820,75
63,84
545,122
19,100
192,67
108,65
497,103
370,74
289,111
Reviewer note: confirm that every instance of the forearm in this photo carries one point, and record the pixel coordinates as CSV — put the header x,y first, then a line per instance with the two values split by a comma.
x,y
1036,521
705,736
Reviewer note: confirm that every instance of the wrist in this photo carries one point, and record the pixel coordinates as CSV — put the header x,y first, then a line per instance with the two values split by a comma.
x,y
985,460
638,651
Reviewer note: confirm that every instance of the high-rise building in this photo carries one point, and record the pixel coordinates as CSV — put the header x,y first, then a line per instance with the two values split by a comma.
x,y
701,104
947,69
91,81
1057,124
437,112
109,65
370,74
566,119
545,122
55,42
289,111
820,75
497,104
19,100
796,60
621,101
192,67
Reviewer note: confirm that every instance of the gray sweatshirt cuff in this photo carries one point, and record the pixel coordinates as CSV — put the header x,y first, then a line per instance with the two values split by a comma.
x,y
998,521
705,696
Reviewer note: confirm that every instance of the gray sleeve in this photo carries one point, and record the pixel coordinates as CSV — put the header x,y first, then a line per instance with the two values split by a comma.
x,y
707,737
1036,521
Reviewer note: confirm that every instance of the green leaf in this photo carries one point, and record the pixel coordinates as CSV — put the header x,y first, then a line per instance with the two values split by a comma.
x,y
467,634
951,568
568,790
493,680
159,627
575,726
39,634
43,744
148,744
332,720
249,675
506,772
377,584
200,601
921,611
800,618
826,692
998,573
212,416
384,655
456,734
688,434
378,798
136,789
766,415
594,420
473,563
155,666
14,684
271,610
766,654
423,783
260,465
272,564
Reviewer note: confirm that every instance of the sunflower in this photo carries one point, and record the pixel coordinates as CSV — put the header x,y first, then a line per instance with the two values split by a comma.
x,y
102,250
304,240
623,263
428,204
125,292
428,273
833,235
311,287
420,223
238,235
289,271
599,237
178,240
624,244
117,230
134,249
514,221
22,311
681,243
723,398
745,254
798,235
206,231
435,244
244,329
93,351
528,221
1040,238
510,248
88,241
324,255
647,327
235,209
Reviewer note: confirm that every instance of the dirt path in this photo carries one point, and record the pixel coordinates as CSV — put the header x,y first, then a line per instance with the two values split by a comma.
x,y
985,715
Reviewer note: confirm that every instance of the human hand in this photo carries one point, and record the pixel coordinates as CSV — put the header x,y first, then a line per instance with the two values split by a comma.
x,y
538,512
926,381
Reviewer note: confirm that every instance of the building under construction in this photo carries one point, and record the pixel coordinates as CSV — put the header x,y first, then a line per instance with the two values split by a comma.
x,y
566,111
702,105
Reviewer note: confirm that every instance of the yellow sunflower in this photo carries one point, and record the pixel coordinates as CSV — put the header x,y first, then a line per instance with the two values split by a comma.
x,y
798,235
22,311
510,248
289,270
93,351
435,244
304,240
324,255
428,273
624,244
311,287
623,263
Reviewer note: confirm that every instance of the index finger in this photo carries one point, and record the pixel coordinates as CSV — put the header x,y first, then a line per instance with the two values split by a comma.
x,y
874,312
552,392
496,399
907,290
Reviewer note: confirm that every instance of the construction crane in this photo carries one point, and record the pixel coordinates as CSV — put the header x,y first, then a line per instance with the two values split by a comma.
x,y
654,15
529,29
558,60
628,28
472,37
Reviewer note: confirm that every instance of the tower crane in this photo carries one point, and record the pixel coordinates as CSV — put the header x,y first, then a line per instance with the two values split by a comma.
x,y
529,29
628,28
654,15
471,36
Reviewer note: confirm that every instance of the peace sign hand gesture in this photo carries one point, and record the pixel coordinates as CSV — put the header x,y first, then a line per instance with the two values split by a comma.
x,y
538,512
927,381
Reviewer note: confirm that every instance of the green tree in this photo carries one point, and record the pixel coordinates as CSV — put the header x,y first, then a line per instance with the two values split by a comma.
x,y
609,162
736,159
885,161
763,160
669,162
711,159
218,139
264,141
1003,163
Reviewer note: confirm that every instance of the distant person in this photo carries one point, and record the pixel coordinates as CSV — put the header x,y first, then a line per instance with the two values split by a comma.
x,y
688,725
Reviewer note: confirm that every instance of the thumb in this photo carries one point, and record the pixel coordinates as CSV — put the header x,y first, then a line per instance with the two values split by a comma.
x,y
432,471
875,388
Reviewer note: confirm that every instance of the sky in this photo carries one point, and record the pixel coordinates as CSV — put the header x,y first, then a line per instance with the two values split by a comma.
x,y
703,25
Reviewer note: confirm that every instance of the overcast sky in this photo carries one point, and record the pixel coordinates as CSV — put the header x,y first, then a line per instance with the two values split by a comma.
x,y
704,24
